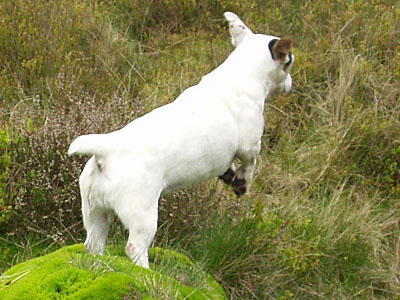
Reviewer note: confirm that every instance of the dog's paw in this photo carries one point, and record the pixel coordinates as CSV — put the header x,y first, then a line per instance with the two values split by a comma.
x,y
228,176
239,186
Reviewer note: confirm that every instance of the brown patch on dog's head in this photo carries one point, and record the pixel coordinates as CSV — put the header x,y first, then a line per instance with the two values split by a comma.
x,y
282,48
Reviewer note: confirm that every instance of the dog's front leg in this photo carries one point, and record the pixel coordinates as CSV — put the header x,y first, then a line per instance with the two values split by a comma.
x,y
229,175
241,178
244,174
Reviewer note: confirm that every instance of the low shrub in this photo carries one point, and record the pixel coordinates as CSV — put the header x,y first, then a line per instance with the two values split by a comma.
x,y
5,161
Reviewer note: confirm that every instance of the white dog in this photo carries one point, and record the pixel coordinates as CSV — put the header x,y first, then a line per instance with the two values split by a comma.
x,y
190,140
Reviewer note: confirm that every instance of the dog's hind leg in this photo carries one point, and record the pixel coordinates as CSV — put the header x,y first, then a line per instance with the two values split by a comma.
x,y
96,220
97,223
139,215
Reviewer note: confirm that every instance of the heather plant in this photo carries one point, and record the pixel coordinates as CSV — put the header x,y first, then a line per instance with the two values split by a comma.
x,y
321,218
5,161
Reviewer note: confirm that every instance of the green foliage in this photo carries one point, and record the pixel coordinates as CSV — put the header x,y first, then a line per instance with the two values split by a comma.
x,y
70,273
9,141
233,248
5,161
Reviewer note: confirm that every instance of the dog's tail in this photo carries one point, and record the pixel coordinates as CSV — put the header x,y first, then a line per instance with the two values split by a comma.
x,y
91,144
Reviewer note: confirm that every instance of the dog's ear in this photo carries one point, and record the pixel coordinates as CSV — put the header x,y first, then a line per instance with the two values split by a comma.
x,y
280,49
237,28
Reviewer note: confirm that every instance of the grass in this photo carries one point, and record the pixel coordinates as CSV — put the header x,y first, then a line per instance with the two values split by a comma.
x,y
321,219
71,273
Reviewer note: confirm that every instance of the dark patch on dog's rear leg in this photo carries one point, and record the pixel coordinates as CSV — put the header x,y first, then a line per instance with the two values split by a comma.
x,y
228,176
239,186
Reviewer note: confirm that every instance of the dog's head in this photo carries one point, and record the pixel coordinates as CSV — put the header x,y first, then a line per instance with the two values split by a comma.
x,y
270,52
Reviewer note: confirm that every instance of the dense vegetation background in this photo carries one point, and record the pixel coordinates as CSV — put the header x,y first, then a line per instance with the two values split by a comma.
x,y
322,218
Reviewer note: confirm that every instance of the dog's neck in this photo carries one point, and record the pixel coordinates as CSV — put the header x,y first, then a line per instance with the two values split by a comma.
x,y
246,76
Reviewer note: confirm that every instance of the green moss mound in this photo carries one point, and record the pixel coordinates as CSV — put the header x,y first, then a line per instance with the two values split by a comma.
x,y
71,273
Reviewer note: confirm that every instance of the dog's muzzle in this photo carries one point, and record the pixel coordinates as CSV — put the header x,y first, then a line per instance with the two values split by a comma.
x,y
287,84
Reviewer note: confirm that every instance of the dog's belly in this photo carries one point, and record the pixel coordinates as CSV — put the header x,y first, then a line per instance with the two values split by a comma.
x,y
197,165
198,157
